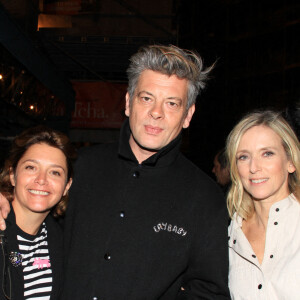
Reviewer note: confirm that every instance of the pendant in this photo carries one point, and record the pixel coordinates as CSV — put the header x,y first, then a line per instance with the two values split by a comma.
x,y
15,258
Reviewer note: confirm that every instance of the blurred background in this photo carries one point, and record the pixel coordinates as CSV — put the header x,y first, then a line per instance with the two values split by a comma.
x,y
63,63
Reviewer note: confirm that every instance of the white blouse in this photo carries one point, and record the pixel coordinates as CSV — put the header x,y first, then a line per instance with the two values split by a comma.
x,y
278,277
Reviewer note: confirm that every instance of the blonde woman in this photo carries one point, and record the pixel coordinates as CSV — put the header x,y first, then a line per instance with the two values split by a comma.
x,y
263,202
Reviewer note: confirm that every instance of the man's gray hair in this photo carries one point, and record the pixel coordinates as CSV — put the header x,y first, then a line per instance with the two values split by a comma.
x,y
169,60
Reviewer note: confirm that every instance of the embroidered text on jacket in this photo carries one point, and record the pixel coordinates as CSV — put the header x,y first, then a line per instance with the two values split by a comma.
x,y
170,228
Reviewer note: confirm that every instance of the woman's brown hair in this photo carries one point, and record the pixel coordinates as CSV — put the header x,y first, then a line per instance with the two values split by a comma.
x,y
37,135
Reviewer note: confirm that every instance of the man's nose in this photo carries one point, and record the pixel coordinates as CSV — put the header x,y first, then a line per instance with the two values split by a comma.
x,y
157,111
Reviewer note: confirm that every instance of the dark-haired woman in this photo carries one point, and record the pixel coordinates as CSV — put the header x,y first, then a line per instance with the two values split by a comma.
x,y
35,179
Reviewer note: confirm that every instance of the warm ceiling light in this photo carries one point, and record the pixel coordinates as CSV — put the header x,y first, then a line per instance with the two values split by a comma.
x,y
31,107
1,76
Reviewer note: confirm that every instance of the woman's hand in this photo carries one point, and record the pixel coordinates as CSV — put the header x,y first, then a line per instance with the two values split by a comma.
x,y
4,211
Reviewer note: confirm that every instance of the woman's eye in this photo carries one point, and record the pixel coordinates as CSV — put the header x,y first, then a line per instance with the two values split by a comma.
x,y
242,157
29,167
56,173
268,153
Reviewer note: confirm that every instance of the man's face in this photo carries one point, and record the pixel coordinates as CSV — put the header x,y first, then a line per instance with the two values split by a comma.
x,y
157,112
222,175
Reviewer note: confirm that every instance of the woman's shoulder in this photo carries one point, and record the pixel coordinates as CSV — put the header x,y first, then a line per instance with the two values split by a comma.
x,y
235,223
294,198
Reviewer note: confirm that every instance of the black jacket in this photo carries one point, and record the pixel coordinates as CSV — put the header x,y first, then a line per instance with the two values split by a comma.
x,y
55,243
143,231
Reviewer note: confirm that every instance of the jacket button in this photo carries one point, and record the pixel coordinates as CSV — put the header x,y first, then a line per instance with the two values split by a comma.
x,y
136,174
122,214
107,256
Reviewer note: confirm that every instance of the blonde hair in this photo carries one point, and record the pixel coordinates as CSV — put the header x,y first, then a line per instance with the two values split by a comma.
x,y
238,200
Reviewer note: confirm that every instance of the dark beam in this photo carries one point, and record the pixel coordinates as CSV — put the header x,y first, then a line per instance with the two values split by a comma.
x,y
24,50
143,17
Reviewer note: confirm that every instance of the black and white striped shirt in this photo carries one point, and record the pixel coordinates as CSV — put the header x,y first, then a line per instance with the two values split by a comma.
x,y
36,264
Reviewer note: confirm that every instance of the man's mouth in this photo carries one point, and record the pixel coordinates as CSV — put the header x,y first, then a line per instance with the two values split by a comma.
x,y
153,130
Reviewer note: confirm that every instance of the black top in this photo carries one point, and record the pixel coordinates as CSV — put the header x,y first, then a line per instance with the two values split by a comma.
x,y
143,231
55,244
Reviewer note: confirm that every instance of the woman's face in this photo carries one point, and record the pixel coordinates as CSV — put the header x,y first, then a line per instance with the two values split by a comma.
x,y
40,180
263,165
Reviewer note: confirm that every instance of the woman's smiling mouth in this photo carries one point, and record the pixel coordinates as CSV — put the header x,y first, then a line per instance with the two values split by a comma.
x,y
36,192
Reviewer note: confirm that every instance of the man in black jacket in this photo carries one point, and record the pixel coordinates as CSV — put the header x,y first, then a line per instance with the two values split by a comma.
x,y
144,222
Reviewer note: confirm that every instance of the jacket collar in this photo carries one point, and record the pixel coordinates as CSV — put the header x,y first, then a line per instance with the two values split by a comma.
x,y
163,157
55,251
12,246
11,230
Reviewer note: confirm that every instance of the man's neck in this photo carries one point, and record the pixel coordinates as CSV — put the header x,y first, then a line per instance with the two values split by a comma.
x,y
140,153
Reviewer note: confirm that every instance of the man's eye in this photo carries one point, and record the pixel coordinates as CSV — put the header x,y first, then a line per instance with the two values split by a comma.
x,y
146,99
173,105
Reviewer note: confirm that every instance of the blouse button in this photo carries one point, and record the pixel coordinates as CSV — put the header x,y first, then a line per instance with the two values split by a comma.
x,y
271,256
275,223
259,286
253,256
234,241
277,209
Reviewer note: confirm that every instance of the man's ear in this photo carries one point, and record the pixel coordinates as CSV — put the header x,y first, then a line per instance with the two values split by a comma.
x,y
189,115
12,177
127,105
68,185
